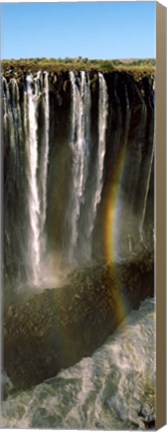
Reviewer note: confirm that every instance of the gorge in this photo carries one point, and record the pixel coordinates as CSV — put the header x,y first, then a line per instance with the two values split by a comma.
x,y
78,213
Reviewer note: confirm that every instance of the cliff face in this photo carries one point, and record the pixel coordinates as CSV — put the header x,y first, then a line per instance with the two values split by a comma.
x,y
104,125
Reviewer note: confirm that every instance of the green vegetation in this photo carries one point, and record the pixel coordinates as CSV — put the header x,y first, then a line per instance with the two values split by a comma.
x,y
106,66
134,66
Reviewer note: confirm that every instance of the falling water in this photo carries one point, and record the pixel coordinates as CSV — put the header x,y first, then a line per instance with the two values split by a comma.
x,y
94,193
13,178
36,195
32,128
5,102
102,125
79,143
33,196
16,111
10,108
44,161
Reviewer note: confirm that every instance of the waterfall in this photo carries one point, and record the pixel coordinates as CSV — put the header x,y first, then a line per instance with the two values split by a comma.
x,y
80,136
7,115
16,111
32,159
12,114
103,148
102,124
13,178
44,161
28,159
36,190
80,144
95,191
78,174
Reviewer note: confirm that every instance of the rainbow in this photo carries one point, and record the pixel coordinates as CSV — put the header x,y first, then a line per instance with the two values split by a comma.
x,y
111,220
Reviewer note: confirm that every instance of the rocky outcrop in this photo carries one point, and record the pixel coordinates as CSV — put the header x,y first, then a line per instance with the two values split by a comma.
x,y
56,328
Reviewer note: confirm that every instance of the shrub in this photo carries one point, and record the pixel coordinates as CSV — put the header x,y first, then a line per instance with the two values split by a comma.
x,y
106,66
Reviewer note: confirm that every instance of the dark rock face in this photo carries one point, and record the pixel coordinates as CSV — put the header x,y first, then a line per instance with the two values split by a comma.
x,y
130,130
129,141
55,329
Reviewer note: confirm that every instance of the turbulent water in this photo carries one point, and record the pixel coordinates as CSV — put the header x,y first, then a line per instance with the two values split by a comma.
x,y
113,389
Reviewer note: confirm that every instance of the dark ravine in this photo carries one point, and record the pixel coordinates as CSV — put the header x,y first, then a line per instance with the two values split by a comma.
x,y
58,327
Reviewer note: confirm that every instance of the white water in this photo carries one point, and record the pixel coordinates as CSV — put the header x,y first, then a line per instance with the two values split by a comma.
x,y
12,114
36,192
113,389
5,102
16,111
8,117
33,196
102,125
80,136
80,144
44,162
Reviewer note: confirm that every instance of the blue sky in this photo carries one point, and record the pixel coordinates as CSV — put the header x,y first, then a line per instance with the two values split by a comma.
x,y
105,30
